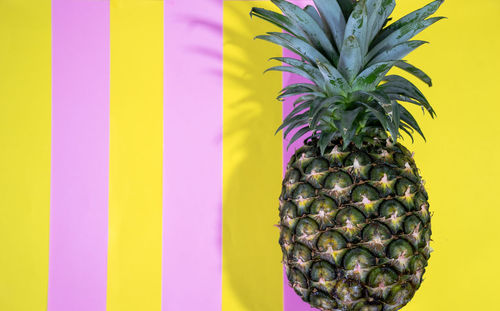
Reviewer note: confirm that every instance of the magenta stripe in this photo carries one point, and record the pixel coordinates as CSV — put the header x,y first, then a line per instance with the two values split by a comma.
x,y
80,121
292,302
192,157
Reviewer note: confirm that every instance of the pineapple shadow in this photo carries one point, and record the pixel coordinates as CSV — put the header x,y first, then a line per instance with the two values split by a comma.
x,y
251,154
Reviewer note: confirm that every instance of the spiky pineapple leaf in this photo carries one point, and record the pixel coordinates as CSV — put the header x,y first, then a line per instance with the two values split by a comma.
x,y
306,87
277,19
298,89
380,10
399,97
369,78
298,135
294,125
291,69
401,35
357,26
380,97
411,18
414,71
396,113
351,58
293,120
347,7
309,26
295,91
301,107
309,9
324,140
407,129
407,92
334,17
347,129
313,72
397,52
408,118
333,78
399,85
383,119
309,86
295,45
321,106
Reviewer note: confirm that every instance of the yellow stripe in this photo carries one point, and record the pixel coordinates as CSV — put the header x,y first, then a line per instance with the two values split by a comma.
x,y
25,107
460,159
136,144
252,167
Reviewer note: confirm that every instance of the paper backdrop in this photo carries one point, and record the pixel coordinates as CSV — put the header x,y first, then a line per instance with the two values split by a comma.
x,y
139,171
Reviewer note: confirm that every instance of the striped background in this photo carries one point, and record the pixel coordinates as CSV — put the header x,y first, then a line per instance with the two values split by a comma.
x,y
139,171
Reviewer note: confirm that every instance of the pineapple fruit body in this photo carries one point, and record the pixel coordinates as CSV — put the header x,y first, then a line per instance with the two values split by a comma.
x,y
354,226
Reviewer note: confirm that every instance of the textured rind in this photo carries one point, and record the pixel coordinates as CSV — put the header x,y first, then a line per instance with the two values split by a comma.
x,y
354,226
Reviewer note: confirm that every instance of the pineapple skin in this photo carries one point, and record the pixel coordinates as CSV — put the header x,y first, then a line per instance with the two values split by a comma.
x,y
354,226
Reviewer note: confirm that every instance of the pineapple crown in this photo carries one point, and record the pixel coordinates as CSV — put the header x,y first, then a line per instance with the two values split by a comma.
x,y
346,50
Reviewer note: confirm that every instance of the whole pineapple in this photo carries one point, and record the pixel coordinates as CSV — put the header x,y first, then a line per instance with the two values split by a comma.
x,y
355,222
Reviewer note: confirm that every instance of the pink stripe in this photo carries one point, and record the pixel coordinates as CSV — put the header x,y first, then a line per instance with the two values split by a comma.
x,y
292,302
192,157
80,121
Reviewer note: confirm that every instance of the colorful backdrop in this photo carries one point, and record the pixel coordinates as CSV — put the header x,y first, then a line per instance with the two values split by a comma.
x,y
139,171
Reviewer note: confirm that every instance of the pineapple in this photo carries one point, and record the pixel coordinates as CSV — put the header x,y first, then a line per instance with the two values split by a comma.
x,y
354,216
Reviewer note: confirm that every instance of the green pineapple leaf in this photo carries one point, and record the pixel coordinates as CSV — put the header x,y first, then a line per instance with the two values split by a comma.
x,y
397,52
369,78
292,120
347,7
298,135
414,71
277,19
322,106
401,35
396,113
346,124
324,140
407,117
309,9
333,78
379,10
334,17
399,85
411,18
408,130
297,90
312,72
301,107
383,118
313,31
295,125
291,69
295,45
351,58
357,26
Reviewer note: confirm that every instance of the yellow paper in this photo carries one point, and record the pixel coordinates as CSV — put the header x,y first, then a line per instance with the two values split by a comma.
x,y
252,168
136,144
459,161
25,109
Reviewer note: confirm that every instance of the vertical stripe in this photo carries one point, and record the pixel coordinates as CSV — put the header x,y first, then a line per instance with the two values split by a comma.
x,y
136,144
80,123
252,168
292,301
25,92
192,156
